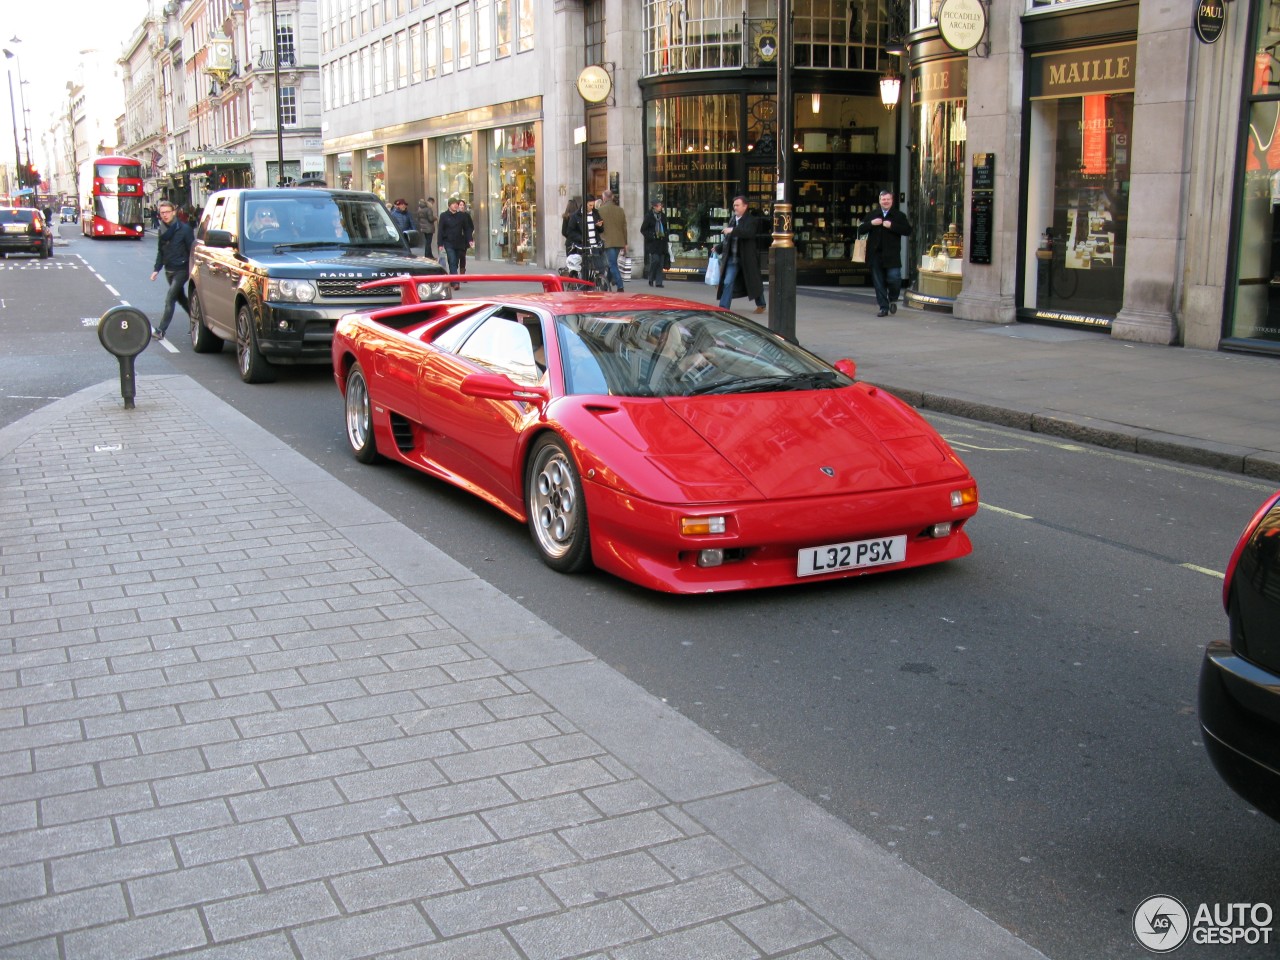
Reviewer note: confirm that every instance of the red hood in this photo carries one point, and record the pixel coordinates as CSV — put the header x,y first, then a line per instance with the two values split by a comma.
x,y
820,441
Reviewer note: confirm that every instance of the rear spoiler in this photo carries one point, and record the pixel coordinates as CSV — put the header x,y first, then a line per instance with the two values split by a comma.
x,y
551,282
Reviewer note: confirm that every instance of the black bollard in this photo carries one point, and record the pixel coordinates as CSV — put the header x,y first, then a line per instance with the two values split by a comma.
x,y
125,332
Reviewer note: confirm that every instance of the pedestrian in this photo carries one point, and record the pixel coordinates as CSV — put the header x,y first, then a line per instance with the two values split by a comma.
x,y
173,255
402,217
470,228
886,225
427,224
740,258
455,238
615,234
584,232
657,251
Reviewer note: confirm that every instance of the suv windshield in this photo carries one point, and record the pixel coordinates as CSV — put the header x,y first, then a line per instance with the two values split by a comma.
x,y
317,219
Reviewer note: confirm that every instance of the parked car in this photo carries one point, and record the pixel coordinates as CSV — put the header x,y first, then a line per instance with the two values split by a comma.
x,y
68,215
1240,677
675,445
273,270
23,230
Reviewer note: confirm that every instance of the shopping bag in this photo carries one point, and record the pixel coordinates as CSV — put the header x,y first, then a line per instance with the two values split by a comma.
x,y
624,266
712,279
860,250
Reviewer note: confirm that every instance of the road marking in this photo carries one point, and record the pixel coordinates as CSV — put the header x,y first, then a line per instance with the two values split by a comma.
x,y
974,446
1007,513
1205,570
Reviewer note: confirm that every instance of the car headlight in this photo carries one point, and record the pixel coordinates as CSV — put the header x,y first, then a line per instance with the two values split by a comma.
x,y
430,291
300,291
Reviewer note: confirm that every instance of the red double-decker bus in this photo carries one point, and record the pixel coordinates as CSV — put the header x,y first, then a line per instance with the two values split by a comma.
x,y
111,197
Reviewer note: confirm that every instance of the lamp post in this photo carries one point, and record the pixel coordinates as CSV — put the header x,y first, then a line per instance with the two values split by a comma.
x,y
22,169
17,152
22,101
782,253
275,66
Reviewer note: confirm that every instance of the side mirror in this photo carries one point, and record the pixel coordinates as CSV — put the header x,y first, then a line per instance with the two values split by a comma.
x,y
847,367
495,386
219,238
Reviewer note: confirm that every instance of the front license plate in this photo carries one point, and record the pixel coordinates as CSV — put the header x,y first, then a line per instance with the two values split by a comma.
x,y
835,557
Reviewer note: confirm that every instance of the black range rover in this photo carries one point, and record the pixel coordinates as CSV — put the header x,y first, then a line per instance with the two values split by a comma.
x,y
274,270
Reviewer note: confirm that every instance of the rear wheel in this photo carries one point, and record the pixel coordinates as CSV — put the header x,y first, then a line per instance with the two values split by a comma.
x,y
359,413
203,340
254,367
556,509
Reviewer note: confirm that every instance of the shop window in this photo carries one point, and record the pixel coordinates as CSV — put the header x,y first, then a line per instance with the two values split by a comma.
x,y
1255,314
939,133
454,171
683,36
345,178
514,192
1078,207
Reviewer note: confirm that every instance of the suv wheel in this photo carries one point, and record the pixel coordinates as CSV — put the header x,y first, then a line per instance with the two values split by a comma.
x,y
203,340
254,367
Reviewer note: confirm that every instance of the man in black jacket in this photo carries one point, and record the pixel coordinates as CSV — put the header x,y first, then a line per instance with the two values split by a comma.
x,y
456,234
173,254
885,226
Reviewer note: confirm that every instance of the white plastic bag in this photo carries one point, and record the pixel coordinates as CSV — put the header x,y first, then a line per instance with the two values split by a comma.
x,y
712,279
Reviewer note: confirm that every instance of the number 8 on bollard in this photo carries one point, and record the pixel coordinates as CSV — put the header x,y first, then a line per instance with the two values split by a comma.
x,y
125,332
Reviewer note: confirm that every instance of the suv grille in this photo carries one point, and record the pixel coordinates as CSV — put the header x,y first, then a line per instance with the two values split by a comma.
x,y
347,288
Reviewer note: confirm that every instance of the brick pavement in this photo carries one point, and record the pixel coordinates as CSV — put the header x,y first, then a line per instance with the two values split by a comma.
x,y
245,714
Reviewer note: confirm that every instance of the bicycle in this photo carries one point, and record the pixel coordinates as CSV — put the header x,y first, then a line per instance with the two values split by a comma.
x,y
595,269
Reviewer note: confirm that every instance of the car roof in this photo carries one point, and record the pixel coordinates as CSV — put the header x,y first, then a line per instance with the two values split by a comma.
x,y
292,193
574,302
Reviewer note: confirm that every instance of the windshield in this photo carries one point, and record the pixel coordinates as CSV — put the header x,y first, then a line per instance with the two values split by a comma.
x,y
316,218
680,353
126,210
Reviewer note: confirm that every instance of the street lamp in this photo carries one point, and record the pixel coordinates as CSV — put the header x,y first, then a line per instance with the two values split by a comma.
x,y
275,66
22,98
782,252
17,152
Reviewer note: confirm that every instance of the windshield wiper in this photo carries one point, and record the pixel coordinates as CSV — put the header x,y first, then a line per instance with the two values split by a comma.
x,y
308,244
796,381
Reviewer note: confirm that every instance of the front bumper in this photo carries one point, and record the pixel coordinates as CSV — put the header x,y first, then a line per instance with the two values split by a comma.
x,y
640,541
1240,717
302,333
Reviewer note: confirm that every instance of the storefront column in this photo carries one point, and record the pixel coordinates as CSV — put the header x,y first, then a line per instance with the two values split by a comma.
x,y
623,20
995,126
1159,176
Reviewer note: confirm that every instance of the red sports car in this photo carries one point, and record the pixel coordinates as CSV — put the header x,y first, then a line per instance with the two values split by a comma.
x,y
678,446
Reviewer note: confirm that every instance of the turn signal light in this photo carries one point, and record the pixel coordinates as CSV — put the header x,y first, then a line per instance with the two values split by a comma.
x,y
962,498
700,526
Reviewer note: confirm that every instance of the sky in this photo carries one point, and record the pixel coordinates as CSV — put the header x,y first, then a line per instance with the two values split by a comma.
x,y
51,33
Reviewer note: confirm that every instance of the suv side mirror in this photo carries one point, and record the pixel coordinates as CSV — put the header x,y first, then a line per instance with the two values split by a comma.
x,y
219,238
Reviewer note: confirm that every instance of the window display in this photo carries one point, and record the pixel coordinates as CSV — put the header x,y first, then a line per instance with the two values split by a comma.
x,y
940,136
513,192
454,167
1256,313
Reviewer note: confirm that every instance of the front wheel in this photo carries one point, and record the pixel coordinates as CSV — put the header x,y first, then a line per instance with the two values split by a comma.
x,y
203,340
556,509
254,367
359,413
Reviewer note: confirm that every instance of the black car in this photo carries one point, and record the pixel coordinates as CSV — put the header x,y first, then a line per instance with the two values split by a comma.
x,y
274,270
23,230
1240,677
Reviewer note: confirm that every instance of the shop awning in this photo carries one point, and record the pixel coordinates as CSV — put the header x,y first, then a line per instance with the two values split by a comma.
x,y
216,158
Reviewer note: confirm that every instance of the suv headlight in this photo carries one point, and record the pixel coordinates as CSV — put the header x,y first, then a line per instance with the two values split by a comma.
x,y
300,291
430,291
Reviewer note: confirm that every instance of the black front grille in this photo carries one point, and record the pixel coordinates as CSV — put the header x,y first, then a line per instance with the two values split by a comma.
x,y
347,288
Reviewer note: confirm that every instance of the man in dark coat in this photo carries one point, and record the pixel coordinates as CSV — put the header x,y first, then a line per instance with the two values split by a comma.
x,y
173,255
657,251
885,227
740,259
456,233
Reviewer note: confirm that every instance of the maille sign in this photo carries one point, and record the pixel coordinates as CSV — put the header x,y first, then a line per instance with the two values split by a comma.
x,y
1077,73
1211,19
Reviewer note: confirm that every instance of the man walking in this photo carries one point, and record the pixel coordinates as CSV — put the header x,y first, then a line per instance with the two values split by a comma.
x,y
886,225
739,258
614,219
402,217
657,252
427,224
455,237
173,254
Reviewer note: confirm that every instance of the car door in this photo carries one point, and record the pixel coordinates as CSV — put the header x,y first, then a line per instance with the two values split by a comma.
x,y
214,270
477,439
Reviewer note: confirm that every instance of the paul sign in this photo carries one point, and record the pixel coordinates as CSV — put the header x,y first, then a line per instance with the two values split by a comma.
x,y
1211,19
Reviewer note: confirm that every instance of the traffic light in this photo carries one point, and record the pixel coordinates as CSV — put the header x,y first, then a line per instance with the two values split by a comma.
x,y
30,176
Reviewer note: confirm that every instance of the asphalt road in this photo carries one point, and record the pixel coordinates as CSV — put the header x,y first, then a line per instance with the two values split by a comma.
x,y
1019,726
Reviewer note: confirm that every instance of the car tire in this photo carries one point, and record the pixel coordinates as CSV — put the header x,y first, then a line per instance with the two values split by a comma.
x,y
254,367
358,409
203,340
556,508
